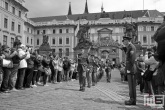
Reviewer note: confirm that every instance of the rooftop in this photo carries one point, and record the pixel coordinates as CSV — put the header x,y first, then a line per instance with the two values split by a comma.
x,y
96,16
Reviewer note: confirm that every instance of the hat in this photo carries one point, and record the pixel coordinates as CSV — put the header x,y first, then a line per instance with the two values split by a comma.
x,y
4,47
127,38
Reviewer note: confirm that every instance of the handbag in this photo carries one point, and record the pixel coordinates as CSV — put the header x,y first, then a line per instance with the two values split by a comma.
x,y
148,74
41,69
47,71
7,63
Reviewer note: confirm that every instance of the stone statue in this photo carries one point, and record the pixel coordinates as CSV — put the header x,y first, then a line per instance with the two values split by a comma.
x,y
83,33
45,39
131,31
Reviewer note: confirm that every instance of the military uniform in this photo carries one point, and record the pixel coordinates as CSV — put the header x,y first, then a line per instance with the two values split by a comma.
x,y
131,70
82,67
108,69
90,70
94,73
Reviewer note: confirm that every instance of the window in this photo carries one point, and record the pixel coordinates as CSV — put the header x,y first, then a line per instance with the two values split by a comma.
x,y
144,39
19,13
38,31
54,50
38,42
54,31
12,42
54,41
27,39
144,28
4,40
13,10
31,31
27,29
152,39
67,40
44,32
19,28
60,31
140,28
12,25
60,40
67,52
67,30
60,52
152,28
5,22
6,6
31,41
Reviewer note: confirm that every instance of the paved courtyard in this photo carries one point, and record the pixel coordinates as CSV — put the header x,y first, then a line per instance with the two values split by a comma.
x,y
65,96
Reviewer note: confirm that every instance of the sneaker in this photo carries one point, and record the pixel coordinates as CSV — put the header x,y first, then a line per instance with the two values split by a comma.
x,y
46,85
14,90
38,83
34,85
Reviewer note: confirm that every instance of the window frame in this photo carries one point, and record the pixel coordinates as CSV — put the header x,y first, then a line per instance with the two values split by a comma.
x,y
67,52
12,26
67,43
5,23
4,40
60,39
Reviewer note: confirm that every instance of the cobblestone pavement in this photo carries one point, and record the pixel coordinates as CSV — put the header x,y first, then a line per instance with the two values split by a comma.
x,y
65,96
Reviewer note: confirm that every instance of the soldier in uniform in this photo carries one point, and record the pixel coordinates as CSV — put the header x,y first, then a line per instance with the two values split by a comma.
x,y
130,69
94,73
90,69
108,68
82,67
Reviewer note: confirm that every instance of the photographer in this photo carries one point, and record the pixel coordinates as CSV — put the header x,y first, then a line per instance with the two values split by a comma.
x,y
152,66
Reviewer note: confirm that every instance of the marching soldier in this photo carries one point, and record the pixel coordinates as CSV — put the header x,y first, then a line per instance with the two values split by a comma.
x,y
94,73
90,69
108,68
130,69
82,67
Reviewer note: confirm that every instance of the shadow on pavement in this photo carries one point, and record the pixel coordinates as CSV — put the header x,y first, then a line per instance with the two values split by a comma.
x,y
100,100
66,89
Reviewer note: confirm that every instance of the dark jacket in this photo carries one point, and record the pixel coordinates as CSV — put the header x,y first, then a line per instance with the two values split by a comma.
x,y
45,63
130,58
30,61
66,64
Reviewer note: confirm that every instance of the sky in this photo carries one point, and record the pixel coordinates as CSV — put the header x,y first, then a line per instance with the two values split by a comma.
x,y
41,8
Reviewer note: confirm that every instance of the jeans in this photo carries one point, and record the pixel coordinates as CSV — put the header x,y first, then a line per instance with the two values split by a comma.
x,y
89,78
28,77
34,77
59,76
20,78
38,76
9,78
44,78
66,75
54,75
132,86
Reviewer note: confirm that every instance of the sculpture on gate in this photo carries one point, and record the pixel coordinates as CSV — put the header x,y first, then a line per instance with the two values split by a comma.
x,y
131,31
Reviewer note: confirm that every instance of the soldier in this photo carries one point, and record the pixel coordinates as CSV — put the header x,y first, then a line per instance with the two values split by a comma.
x,y
94,73
130,69
90,69
82,67
108,69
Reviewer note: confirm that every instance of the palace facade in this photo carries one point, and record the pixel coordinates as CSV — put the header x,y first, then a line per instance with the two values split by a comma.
x,y
62,30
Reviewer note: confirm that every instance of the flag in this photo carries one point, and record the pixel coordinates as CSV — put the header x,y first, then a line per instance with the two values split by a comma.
x,y
77,29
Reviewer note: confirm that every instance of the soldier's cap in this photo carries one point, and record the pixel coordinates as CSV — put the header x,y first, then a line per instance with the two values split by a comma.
x,y
126,38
